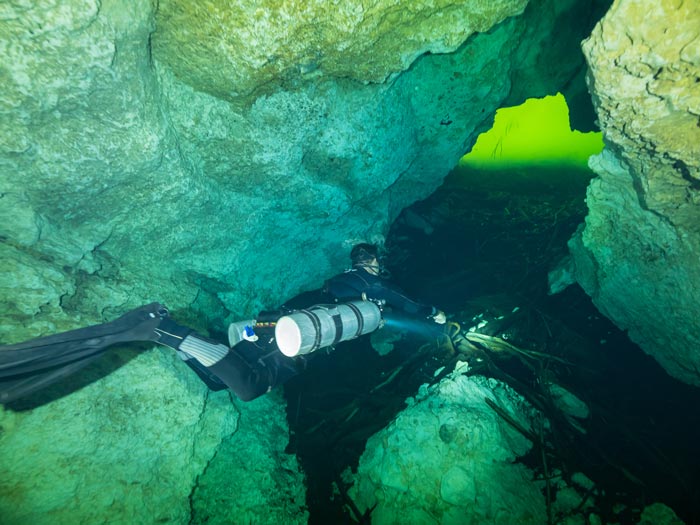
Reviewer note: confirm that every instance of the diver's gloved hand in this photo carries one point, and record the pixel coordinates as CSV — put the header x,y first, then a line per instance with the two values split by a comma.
x,y
439,317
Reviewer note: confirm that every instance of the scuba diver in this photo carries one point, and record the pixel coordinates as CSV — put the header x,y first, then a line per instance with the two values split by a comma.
x,y
262,353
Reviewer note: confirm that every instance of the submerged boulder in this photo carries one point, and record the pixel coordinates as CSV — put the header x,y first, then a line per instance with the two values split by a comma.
x,y
451,458
455,456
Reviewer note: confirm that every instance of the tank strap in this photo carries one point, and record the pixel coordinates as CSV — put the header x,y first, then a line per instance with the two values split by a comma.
x,y
337,321
360,319
317,327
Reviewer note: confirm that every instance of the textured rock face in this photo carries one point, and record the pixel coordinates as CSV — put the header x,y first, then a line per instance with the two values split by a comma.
x,y
122,184
240,50
251,479
638,254
449,458
80,146
148,444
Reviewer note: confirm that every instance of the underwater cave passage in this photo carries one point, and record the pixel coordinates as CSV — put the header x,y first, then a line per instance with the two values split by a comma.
x,y
481,248
503,216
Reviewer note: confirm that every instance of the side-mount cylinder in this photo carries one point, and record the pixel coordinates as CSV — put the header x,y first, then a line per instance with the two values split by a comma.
x,y
305,331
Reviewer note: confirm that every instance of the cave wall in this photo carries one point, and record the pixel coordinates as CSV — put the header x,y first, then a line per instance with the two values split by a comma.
x,y
637,255
126,180
123,183
143,447
239,52
157,151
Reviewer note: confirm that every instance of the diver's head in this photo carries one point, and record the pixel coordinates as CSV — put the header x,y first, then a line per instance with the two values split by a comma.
x,y
366,256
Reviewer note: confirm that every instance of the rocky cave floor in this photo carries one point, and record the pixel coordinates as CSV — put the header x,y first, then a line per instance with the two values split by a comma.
x,y
480,248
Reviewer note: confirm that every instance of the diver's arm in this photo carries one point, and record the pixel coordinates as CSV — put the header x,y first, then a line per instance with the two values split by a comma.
x,y
396,297
393,295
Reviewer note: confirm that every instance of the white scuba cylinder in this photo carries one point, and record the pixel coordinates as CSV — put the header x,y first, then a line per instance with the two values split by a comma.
x,y
305,331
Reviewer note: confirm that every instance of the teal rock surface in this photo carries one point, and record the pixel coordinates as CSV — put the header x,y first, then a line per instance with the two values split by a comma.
x,y
123,184
125,450
637,255
148,444
449,458
251,479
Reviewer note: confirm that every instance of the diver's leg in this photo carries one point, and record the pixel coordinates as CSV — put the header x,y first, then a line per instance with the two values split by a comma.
x,y
247,378
208,378
186,341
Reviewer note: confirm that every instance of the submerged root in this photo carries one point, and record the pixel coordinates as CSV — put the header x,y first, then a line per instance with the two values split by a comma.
x,y
498,345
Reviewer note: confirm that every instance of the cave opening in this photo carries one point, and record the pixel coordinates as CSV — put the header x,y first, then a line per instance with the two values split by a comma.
x,y
481,247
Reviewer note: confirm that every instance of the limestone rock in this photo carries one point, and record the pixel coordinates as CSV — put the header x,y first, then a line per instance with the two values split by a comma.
x,y
644,67
251,479
448,458
659,514
637,256
241,50
128,448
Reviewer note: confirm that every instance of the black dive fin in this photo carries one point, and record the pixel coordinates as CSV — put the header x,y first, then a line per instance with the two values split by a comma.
x,y
32,365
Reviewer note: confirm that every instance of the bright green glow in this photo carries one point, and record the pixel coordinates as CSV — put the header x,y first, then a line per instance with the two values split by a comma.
x,y
534,133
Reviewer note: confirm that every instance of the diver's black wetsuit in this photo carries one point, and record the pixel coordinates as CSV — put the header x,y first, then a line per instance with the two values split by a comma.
x,y
356,282
251,369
